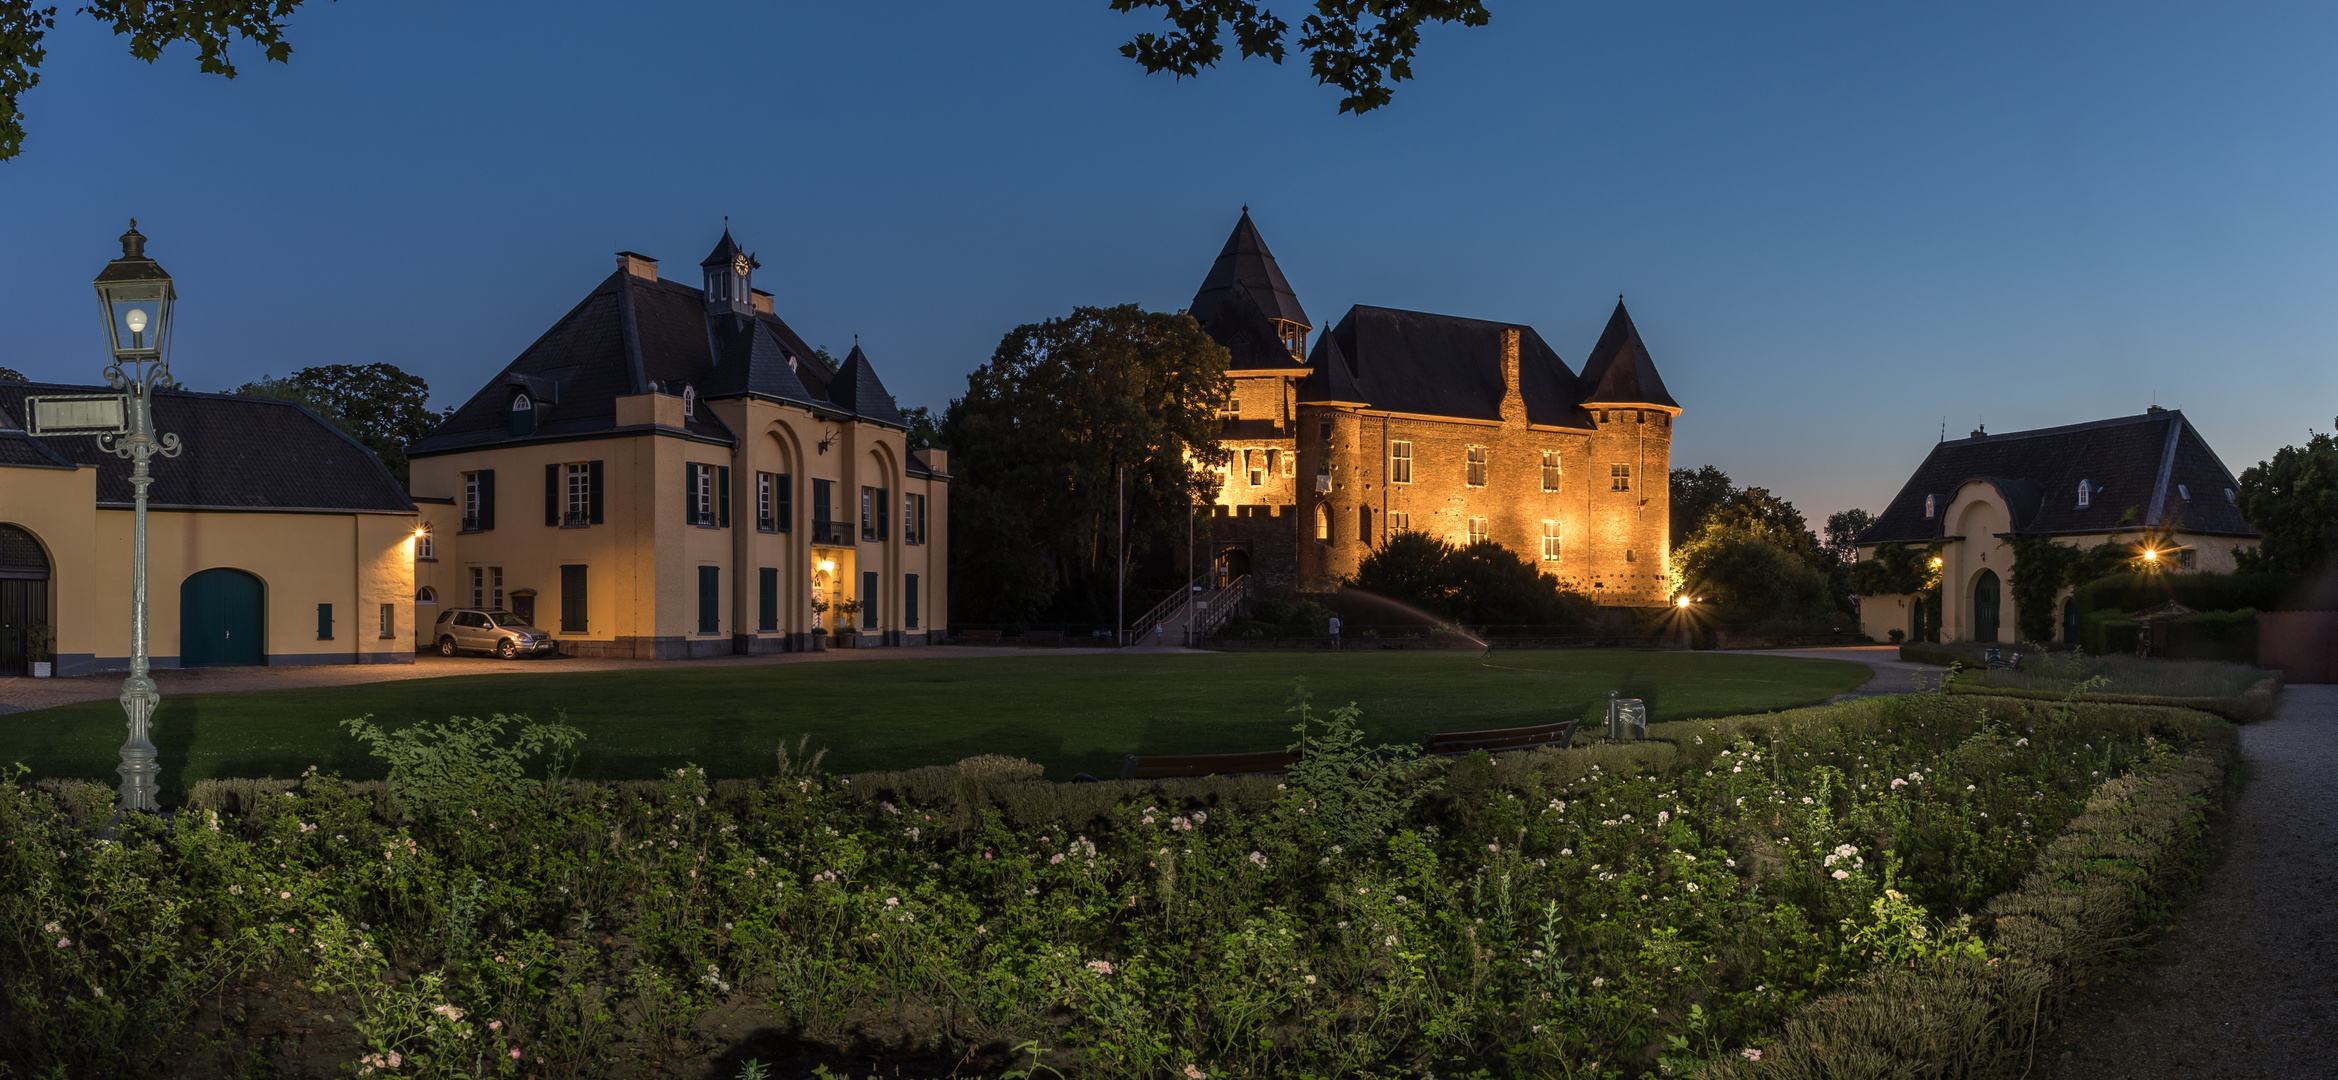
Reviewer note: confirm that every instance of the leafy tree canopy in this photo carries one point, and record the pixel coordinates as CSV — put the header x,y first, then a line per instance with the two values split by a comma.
x,y
380,405
1843,528
1695,492
9,374
151,26
1360,46
1747,577
1483,584
2293,500
925,429
1039,442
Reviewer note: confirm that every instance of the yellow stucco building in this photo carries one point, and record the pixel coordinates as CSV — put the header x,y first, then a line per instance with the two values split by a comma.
x,y
272,539
2148,480
670,472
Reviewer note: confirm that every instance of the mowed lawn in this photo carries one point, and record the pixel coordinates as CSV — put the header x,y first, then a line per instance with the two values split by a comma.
x,y
1070,713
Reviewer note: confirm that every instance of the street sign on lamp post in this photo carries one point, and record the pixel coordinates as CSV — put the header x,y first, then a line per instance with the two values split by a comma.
x,y
137,296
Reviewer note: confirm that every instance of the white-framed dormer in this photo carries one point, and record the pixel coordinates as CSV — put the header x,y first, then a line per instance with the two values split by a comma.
x,y
2085,493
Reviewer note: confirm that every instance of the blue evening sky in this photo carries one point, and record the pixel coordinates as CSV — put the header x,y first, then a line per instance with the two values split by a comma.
x,y
1837,224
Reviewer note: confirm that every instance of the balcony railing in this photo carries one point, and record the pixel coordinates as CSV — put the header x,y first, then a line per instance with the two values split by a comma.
x,y
471,524
833,532
577,517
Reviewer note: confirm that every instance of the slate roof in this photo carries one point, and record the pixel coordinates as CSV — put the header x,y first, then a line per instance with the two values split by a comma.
x,y
241,453
1618,371
2145,463
1242,327
1245,261
632,335
1444,365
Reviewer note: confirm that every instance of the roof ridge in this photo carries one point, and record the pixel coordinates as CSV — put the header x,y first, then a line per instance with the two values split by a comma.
x,y
2064,429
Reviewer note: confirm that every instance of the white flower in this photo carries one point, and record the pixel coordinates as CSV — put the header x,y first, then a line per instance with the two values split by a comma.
x,y
1692,886
1737,768
2021,742
1663,816
1599,980
1310,980
1391,941
1566,851
1841,874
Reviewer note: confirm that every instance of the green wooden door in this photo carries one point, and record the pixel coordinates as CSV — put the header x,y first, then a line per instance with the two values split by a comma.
x,y
221,620
1985,606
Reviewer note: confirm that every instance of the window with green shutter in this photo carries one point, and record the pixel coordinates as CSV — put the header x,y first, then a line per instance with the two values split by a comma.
x,y
710,599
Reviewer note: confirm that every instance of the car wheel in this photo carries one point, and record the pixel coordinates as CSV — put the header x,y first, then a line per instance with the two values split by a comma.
x,y
446,646
504,649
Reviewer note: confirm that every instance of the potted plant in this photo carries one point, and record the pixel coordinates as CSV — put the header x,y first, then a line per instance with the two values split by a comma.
x,y
818,641
847,632
41,648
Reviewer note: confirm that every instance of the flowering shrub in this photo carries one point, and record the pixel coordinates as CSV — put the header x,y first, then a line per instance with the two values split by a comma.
x,y
1609,911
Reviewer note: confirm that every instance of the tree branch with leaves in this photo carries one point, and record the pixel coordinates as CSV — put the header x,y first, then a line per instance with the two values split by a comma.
x,y
1363,47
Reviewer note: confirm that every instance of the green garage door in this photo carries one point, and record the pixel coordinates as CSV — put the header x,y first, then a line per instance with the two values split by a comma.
x,y
220,621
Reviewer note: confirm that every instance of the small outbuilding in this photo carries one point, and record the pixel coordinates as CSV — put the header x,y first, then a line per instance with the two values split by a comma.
x,y
2149,480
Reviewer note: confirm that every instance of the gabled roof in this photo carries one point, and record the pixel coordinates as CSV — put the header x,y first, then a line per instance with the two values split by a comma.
x,y
2137,468
635,335
1618,371
1245,261
857,389
1446,365
240,453
1250,340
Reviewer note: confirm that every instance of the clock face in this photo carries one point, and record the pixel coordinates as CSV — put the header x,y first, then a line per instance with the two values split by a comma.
x,y
741,265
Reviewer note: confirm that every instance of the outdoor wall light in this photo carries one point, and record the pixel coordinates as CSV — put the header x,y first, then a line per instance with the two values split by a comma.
x,y
828,566
1683,601
1936,562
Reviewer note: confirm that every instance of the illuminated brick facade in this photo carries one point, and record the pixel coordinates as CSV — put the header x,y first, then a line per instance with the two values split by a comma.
x,y
1459,428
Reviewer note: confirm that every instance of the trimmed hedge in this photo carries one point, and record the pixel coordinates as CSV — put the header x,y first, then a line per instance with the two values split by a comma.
x,y
2250,706
2112,871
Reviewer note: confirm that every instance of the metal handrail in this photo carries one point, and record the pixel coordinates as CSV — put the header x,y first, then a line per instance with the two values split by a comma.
x,y
1160,612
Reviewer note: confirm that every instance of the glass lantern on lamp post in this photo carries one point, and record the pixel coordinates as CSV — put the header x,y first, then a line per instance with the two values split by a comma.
x,y
137,296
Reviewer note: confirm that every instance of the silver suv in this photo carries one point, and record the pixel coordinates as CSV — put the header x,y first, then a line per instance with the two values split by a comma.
x,y
490,630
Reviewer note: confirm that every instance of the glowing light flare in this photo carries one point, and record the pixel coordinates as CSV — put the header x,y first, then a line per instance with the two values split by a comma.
x,y
828,566
2150,554
1683,601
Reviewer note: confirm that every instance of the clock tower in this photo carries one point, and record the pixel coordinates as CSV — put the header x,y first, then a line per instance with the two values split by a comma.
x,y
730,278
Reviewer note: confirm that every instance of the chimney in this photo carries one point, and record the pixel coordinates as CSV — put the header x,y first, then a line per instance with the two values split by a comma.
x,y
762,300
2155,410
1513,404
1977,433
640,266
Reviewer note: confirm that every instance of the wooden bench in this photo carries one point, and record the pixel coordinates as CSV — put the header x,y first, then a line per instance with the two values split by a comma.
x,y
1497,740
1042,637
979,637
1163,767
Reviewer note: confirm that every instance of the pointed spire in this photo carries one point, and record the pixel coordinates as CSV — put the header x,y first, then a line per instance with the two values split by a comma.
x,y
724,250
1618,371
1246,260
857,388
1332,382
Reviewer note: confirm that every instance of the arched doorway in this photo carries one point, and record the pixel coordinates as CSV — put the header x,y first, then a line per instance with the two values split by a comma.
x,y
222,619
2070,621
1916,619
1232,563
1985,606
24,601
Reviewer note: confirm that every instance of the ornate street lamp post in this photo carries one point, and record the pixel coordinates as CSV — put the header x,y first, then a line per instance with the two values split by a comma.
x,y
137,297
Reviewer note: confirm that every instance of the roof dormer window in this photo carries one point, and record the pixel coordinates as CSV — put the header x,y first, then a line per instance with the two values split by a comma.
x,y
689,402
2085,493
1931,506
523,414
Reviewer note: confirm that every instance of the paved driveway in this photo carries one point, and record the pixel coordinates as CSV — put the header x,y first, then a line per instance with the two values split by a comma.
x,y
19,694
1892,674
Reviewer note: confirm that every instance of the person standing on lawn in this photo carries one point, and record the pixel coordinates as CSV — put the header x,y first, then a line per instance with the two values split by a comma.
x,y
1335,631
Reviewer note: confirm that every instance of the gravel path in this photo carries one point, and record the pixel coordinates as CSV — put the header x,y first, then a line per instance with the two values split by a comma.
x,y
1892,674
2249,987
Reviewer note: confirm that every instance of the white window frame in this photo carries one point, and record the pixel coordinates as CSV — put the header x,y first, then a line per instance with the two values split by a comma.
x,y
1400,462
1552,472
1619,476
1550,541
2085,494
426,544
470,500
765,520
1478,530
580,493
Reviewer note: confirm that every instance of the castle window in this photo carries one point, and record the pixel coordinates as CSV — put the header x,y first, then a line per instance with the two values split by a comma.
x,y
2085,489
1619,477
1323,522
1477,530
1639,416
1550,541
1477,466
1323,431
1290,463
1274,459
1323,476
1364,525
1232,414
1253,464
2184,559
1550,470
1400,463
1399,521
